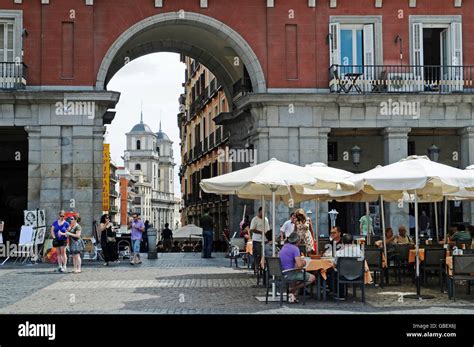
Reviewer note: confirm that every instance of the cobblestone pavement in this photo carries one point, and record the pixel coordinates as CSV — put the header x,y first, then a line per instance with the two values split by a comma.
x,y
187,284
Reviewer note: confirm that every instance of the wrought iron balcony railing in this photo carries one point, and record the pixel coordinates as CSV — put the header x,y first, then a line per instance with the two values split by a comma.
x,y
12,75
441,79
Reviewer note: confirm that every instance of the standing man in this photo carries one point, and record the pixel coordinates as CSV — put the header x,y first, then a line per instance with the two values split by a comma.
x,y
365,225
167,236
138,227
207,225
256,230
424,224
288,227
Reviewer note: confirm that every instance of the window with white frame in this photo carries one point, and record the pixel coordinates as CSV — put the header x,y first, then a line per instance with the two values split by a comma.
x,y
7,40
436,49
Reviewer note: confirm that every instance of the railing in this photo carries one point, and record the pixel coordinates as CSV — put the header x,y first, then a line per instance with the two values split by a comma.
x,y
13,75
206,144
401,79
213,87
218,136
113,209
211,140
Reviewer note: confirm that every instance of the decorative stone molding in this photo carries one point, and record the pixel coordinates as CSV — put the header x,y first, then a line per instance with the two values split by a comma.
x,y
311,3
158,3
270,3
378,3
412,3
203,3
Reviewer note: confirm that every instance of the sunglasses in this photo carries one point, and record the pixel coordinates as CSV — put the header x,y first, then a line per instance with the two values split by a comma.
x,y
61,215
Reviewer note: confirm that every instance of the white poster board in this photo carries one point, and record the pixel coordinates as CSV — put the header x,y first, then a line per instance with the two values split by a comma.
x,y
26,235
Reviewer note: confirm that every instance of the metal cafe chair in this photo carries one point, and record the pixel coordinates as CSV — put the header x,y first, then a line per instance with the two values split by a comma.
x,y
374,260
463,270
350,270
277,276
435,259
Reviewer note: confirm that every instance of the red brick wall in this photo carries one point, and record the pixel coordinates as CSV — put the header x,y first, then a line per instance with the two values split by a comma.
x,y
96,28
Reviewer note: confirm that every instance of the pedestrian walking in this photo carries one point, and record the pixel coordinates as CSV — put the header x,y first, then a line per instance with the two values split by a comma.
x,y
58,232
107,240
256,230
167,236
138,227
76,244
207,225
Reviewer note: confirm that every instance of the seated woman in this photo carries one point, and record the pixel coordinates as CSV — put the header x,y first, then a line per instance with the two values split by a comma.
x,y
389,238
291,258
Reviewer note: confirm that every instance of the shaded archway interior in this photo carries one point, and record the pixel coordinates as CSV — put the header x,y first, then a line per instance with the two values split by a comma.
x,y
198,43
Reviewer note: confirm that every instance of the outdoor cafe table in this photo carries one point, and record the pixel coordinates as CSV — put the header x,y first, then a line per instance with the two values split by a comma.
x,y
324,264
412,255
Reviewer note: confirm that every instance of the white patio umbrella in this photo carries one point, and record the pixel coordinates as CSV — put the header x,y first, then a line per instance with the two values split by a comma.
x,y
272,178
188,232
416,175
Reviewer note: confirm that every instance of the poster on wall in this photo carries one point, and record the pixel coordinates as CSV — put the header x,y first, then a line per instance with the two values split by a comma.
x,y
31,218
41,232
36,219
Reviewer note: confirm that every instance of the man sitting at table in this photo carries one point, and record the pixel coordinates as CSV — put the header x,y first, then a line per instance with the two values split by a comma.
x,y
348,249
461,234
335,241
291,258
402,238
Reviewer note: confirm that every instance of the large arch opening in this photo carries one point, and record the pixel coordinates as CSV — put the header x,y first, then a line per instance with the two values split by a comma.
x,y
207,40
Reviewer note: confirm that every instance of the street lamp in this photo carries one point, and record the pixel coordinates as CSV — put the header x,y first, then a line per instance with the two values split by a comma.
x,y
333,216
433,153
356,151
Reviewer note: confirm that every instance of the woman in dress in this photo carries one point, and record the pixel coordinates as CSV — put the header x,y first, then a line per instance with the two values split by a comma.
x,y
76,245
58,230
304,229
107,240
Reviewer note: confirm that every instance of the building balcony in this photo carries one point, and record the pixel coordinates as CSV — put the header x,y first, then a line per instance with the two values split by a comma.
x,y
241,88
12,75
114,193
113,209
362,79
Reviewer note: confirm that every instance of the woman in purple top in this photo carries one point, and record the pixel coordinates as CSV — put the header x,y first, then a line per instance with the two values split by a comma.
x,y
58,232
290,258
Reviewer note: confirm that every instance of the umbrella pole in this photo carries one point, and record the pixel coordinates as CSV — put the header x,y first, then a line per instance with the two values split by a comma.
x,y
436,220
273,238
445,220
417,248
316,225
382,215
367,216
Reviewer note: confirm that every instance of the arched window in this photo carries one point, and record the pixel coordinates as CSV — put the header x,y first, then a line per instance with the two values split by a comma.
x,y
139,144
138,166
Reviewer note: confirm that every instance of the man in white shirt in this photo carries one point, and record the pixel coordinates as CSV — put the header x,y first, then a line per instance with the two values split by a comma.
x,y
256,230
348,249
288,227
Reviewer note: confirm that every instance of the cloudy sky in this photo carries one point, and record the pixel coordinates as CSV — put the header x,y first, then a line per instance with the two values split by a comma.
x,y
155,80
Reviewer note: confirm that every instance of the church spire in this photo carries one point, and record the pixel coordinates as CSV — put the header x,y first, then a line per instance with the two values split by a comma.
x,y
141,113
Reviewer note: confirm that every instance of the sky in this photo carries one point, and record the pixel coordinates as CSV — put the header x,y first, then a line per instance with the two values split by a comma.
x,y
156,81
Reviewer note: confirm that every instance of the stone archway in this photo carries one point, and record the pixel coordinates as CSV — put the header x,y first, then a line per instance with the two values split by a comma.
x,y
203,38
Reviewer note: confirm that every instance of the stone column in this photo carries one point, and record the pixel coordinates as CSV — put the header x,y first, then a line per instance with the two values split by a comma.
x,y
467,158
34,166
395,148
51,171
